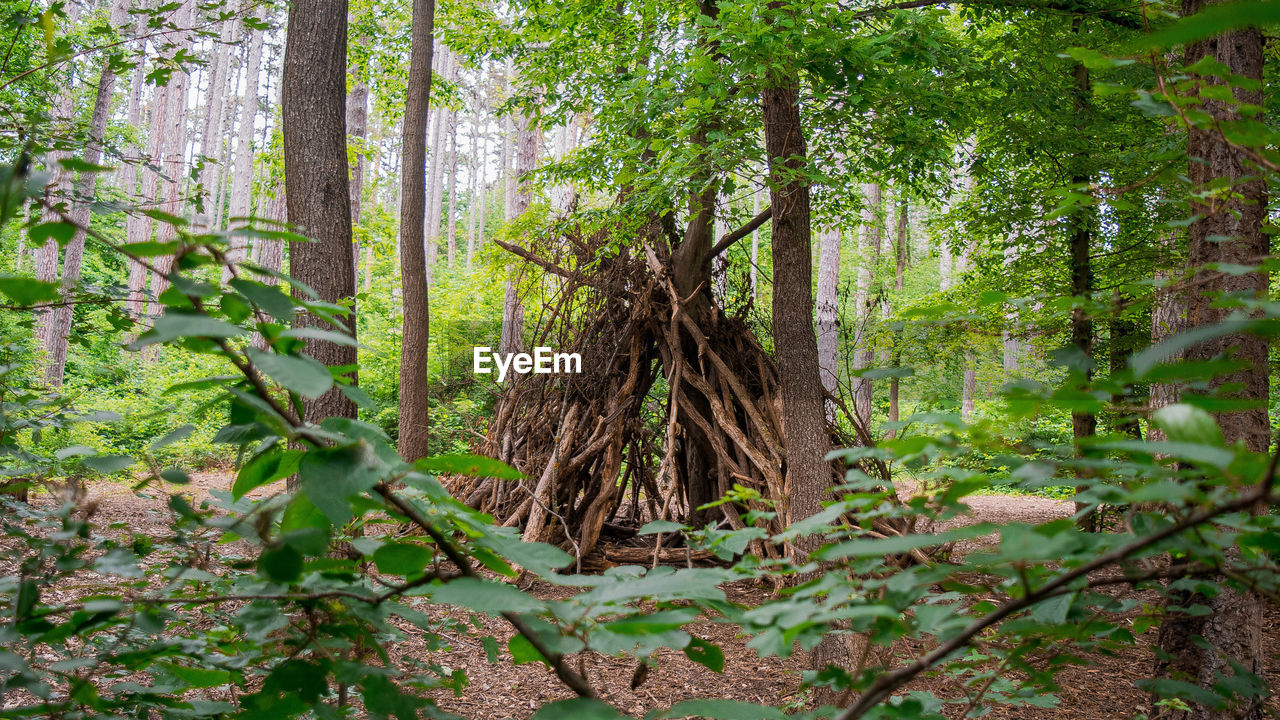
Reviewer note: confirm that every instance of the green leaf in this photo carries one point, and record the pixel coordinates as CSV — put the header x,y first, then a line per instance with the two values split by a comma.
x,y
313,333
705,653
1188,424
28,291
1143,362
266,467
1214,20
522,651
268,297
59,230
107,464
654,622
172,326
197,677
332,476
301,374
282,564
660,526
402,558
81,165
173,436
898,544
484,596
721,710
469,465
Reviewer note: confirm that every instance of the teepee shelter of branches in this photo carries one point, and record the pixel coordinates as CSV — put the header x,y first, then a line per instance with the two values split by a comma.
x,y
583,441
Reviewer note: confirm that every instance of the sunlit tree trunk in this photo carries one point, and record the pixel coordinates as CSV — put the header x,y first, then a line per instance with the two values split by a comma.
x,y
452,221
828,329
526,159
57,327
173,144
873,198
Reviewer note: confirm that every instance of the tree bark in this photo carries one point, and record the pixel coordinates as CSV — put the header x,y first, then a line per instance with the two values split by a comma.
x,y
525,147
829,312
173,144
317,191
57,330
873,198
807,478
451,223
414,425
1228,230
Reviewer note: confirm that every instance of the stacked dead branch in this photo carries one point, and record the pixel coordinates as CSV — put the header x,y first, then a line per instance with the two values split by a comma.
x,y
587,442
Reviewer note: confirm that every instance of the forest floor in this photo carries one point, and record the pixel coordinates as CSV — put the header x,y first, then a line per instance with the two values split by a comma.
x,y
1102,689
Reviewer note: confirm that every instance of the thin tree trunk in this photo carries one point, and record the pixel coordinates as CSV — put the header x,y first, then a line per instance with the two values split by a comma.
x,y
902,255
873,197
1083,423
526,159
242,177
473,173
211,132
317,190
452,220
414,425
755,248
173,146
828,329
1167,306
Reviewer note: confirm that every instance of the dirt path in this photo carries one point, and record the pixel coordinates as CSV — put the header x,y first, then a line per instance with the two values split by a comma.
x,y
1101,690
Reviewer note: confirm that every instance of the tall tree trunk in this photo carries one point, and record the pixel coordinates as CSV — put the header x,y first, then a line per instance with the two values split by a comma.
x,y
475,168
1167,305
829,312
525,147
242,177
807,478
211,132
173,144
56,332
1083,423
414,425
755,248
317,190
872,197
137,227
452,221
902,254
1228,230
357,129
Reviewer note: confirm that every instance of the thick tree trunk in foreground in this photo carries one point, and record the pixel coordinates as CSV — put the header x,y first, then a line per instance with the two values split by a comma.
x,y
317,192
1229,231
807,480
413,424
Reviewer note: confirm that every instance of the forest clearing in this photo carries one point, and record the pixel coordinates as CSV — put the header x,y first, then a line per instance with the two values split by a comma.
x,y
577,361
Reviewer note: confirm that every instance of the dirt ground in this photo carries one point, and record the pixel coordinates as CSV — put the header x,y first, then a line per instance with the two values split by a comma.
x,y
1102,690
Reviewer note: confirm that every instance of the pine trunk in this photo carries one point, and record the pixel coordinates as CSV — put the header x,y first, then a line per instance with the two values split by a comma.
x,y
317,189
414,425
